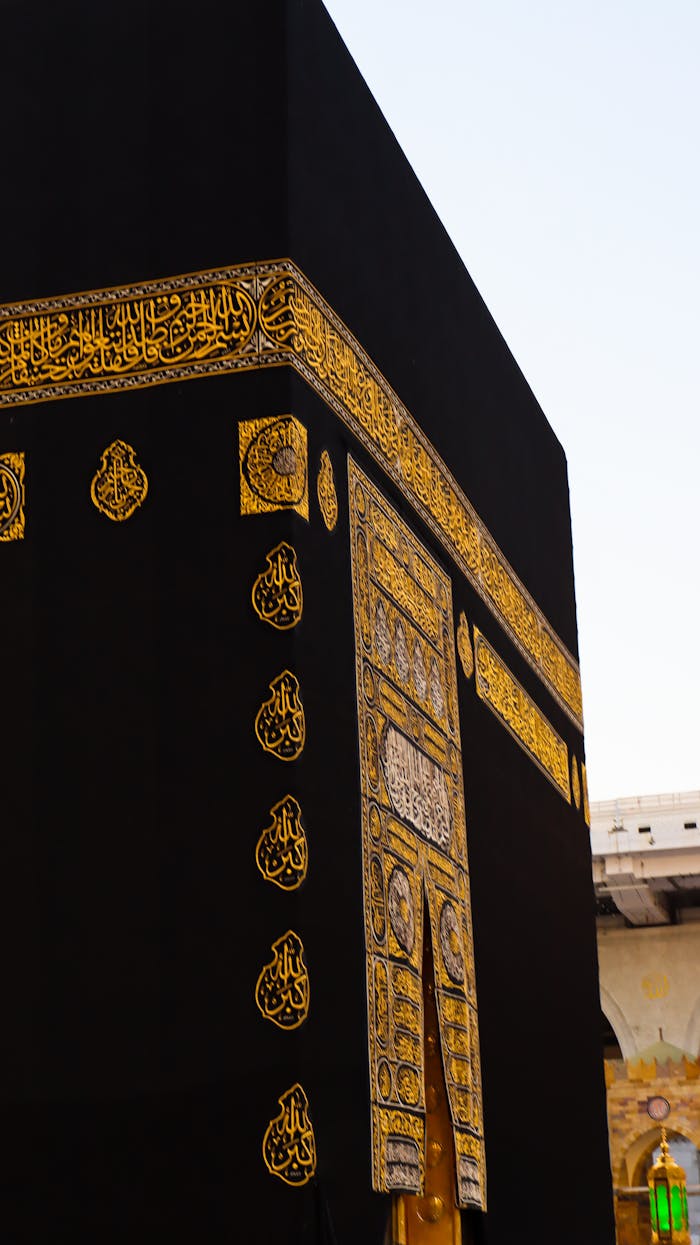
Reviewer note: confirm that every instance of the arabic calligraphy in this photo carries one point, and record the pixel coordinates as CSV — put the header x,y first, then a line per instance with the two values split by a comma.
x,y
282,853
282,992
417,788
120,485
11,497
511,704
273,465
289,1145
414,849
327,355
123,337
279,724
327,496
263,315
464,646
277,592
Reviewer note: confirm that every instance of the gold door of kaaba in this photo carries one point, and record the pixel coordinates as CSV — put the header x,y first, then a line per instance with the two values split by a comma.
x,y
414,847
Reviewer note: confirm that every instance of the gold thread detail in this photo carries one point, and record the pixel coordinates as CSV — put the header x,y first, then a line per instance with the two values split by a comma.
x,y
509,701
277,592
282,853
265,315
464,646
280,724
584,787
273,465
414,845
327,496
120,485
11,497
289,1145
575,784
282,992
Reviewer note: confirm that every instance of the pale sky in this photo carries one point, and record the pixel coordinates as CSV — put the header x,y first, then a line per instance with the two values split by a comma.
x,y
558,142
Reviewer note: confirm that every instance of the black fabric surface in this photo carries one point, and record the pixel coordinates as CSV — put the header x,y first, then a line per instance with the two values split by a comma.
x,y
136,1075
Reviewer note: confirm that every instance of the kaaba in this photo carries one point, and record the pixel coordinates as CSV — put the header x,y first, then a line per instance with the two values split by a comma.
x,y
298,940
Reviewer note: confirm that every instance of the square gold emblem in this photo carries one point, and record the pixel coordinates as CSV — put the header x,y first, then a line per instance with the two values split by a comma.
x,y
274,468
11,496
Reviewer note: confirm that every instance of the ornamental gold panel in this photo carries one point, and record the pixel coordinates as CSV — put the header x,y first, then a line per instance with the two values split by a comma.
x,y
120,485
280,724
414,847
256,316
12,520
289,1145
282,992
277,593
273,456
508,700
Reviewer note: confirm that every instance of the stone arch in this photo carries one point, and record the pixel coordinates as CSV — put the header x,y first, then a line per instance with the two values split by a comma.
x,y
621,1029
692,1033
639,1145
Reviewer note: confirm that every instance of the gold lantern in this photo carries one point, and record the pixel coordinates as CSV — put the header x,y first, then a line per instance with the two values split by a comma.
x,y
668,1199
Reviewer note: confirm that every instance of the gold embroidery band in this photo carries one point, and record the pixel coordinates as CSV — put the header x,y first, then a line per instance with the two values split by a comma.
x,y
509,701
268,315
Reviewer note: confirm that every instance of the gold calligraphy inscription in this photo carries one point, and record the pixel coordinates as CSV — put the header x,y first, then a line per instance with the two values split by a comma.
x,y
282,853
413,843
161,330
11,497
273,465
120,485
277,592
289,1145
265,315
282,992
505,697
575,783
464,646
280,724
334,362
586,805
325,488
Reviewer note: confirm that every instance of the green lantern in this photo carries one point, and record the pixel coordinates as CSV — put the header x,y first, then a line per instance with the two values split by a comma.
x,y
668,1200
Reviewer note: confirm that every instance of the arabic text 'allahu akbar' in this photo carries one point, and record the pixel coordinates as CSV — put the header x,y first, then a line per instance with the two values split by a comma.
x,y
280,725
282,853
289,1146
282,992
277,592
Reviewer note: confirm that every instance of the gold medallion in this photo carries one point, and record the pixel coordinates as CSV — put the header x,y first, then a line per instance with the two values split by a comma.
x,y
277,592
327,496
273,458
586,805
575,784
120,485
282,853
282,992
464,646
280,725
11,497
289,1145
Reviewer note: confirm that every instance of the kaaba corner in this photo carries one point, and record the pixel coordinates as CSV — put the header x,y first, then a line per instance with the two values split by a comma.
x,y
293,705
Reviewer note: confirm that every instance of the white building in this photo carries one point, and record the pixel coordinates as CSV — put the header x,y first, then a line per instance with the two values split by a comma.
x,y
646,873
